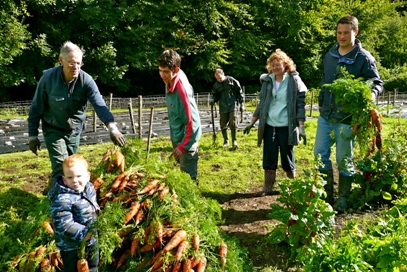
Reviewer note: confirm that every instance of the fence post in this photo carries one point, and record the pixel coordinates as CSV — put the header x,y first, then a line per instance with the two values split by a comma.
x,y
132,116
312,103
140,116
394,96
388,102
150,131
94,120
209,98
110,101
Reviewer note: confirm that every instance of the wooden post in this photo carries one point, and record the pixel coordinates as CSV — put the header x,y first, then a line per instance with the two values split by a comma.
x,y
395,96
197,100
312,103
110,101
94,120
209,98
150,130
140,116
388,102
133,125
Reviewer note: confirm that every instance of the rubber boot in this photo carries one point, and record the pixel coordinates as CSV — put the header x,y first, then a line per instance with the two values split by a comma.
x,y
291,174
234,142
269,180
328,176
225,137
345,185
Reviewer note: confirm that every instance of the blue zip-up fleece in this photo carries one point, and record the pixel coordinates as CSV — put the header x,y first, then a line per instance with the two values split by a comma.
x,y
358,62
296,91
62,105
72,214
228,93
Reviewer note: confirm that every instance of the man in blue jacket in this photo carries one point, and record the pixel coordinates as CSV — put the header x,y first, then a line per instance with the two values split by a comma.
x,y
348,53
60,104
183,114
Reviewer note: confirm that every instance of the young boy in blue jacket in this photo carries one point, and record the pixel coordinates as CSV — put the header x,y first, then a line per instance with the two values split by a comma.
x,y
74,209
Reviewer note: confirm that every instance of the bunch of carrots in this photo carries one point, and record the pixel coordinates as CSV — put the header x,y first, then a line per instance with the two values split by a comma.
x,y
164,244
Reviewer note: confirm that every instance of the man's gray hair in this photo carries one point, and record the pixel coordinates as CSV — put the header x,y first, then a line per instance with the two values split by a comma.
x,y
69,47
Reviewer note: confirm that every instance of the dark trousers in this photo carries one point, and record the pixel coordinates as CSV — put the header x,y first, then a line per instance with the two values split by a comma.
x,y
70,258
228,120
275,140
60,145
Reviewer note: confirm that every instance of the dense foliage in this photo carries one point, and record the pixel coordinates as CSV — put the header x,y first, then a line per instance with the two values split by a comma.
x,y
122,39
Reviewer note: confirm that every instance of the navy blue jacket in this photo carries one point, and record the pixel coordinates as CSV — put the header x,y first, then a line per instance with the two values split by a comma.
x,y
359,63
72,214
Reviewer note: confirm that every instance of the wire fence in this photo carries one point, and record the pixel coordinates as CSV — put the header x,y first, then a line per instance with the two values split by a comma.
x,y
21,108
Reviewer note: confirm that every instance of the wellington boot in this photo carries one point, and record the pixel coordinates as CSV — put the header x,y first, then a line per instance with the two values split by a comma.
x,y
225,137
328,176
269,180
233,132
345,185
291,174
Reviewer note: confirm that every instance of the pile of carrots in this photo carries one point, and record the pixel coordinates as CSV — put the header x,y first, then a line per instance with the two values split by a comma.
x,y
167,247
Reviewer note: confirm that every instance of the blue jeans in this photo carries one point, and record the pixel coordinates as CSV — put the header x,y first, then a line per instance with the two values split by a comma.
x,y
329,134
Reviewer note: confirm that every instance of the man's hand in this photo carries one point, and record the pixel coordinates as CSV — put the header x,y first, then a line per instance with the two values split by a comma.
x,y
177,153
116,136
211,102
34,144
302,135
247,129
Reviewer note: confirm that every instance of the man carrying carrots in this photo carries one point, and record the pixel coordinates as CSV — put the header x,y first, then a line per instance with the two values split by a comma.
x,y
348,53
183,114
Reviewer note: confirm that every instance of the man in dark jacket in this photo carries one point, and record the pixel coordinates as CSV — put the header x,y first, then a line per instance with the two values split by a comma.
x,y
60,104
348,53
228,93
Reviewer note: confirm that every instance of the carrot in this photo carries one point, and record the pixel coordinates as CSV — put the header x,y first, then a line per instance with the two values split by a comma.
x,y
163,192
186,265
177,267
47,226
150,185
134,246
375,115
46,265
97,183
140,215
82,265
223,251
159,231
134,209
379,141
139,175
123,184
355,129
175,240
110,167
119,160
117,181
146,248
158,264
106,156
123,258
201,265
54,260
194,262
195,241
155,258
39,254
180,250
122,197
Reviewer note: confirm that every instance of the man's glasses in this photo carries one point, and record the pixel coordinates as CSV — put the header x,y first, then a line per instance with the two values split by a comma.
x,y
73,64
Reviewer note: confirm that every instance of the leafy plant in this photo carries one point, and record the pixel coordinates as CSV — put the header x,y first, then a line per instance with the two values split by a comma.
x,y
383,176
355,98
305,218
